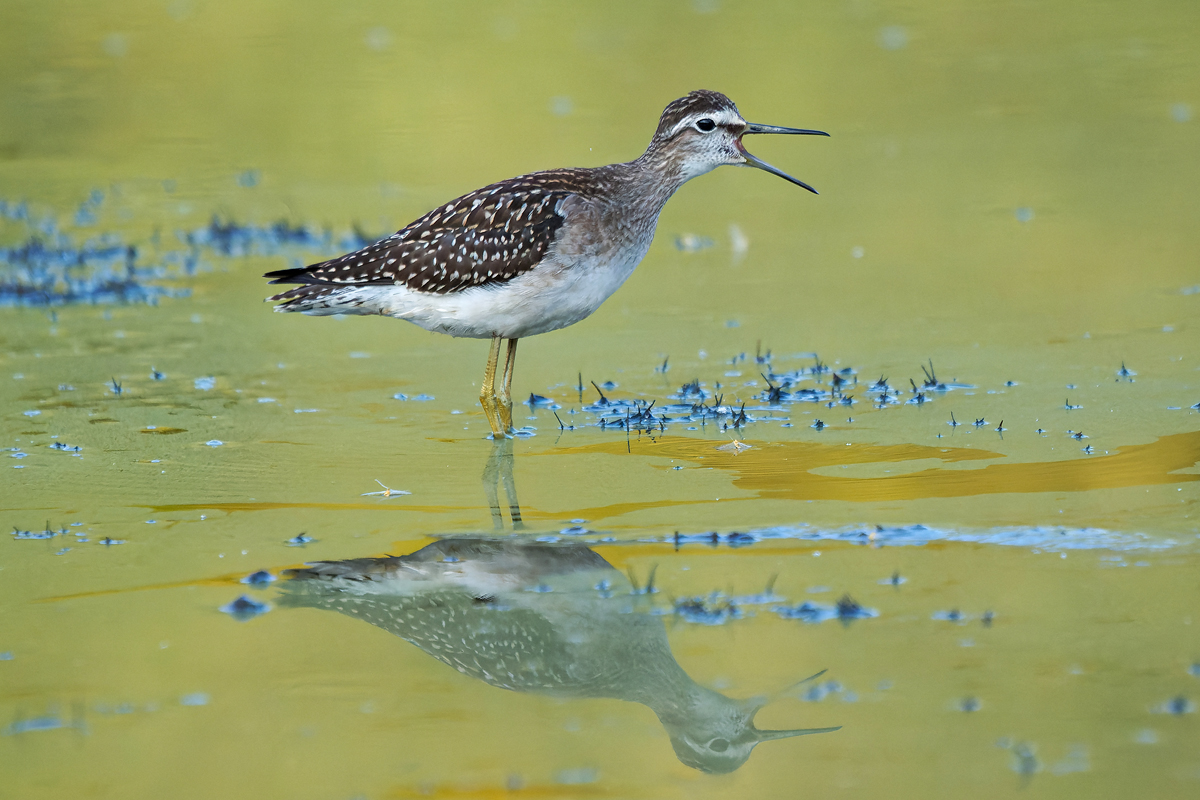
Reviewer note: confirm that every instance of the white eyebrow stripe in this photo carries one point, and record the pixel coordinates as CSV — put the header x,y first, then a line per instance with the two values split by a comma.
x,y
722,117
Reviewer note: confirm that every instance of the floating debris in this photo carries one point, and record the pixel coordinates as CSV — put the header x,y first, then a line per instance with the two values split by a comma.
x,y
387,491
819,691
20,534
969,704
1024,760
259,578
538,401
46,722
845,610
244,608
716,609
849,609
691,243
1177,705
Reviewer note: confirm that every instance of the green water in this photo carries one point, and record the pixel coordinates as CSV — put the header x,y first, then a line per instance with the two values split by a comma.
x,y
1008,192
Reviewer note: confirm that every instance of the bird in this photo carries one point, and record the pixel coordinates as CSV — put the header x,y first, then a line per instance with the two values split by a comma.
x,y
534,253
467,601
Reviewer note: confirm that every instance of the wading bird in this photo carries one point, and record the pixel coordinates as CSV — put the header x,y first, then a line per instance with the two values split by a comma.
x,y
534,253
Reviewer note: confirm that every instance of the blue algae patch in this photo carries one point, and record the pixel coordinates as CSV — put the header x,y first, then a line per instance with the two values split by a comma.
x,y
715,609
205,384
48,722
46,534
695,405
50,267
244,608
1038,538
194,699
845,610
299,540
1177,706
53,269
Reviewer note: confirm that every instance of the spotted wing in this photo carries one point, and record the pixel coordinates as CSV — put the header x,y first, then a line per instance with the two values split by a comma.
x,y
491,235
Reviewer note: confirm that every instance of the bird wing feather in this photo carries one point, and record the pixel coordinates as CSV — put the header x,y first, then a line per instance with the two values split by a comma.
x,y
491,235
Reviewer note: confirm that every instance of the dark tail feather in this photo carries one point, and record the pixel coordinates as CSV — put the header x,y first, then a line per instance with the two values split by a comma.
x,y
290,275
309,297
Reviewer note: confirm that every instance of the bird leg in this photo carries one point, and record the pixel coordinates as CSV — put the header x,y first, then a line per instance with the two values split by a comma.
x,y
487,393
505,394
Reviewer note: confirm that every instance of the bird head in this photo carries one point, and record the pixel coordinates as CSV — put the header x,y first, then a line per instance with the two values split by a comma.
x,y
717,733
704,130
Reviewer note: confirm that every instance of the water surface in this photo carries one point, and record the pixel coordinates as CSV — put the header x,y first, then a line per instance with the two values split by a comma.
x,y
1006,213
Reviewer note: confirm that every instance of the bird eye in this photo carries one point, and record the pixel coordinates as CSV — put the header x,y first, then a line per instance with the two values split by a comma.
x,y
705,125
717,745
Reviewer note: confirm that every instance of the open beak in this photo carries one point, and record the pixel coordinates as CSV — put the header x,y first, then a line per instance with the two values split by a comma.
x,y
756,735
755,161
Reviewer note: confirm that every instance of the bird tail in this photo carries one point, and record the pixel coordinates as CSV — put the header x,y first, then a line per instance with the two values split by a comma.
x,y
354,569
315,298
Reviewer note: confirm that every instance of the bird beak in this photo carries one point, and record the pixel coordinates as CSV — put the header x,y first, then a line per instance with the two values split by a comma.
x,y
756,704
755,161
766,736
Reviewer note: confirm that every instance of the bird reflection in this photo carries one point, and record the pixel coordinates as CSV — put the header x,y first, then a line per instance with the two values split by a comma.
x,y
547,618
498,472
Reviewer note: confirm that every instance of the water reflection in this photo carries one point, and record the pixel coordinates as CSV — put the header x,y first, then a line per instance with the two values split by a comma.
x,y
498,472
554,619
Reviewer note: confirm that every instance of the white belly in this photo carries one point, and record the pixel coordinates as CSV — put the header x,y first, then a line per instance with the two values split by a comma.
x,y
545,299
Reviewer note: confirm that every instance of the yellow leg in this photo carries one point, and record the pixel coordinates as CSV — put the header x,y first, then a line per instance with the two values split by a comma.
x,y
505,394
487,393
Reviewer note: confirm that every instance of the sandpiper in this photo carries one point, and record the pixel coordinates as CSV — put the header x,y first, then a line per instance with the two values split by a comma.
x,y
534,253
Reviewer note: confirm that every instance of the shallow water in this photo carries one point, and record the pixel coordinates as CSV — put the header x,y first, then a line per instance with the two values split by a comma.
x,y
1006,201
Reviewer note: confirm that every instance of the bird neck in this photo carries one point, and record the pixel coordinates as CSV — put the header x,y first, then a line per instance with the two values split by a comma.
x,y
655,175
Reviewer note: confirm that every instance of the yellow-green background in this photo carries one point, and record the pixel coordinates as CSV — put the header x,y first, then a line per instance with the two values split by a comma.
x,y
1087,115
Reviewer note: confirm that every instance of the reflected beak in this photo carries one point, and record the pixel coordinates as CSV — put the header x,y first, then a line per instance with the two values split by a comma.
x,y
755,161
766,736
756,704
